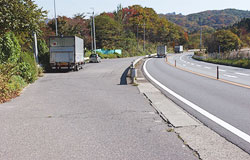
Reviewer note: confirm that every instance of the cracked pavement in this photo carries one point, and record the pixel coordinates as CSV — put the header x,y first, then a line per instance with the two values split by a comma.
x,y
86,115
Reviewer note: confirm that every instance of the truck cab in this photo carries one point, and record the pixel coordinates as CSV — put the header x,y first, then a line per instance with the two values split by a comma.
x,y
178,49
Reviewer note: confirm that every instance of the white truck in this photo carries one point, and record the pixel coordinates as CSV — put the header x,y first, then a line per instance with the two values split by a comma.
x,y
178,49
66,52
161,51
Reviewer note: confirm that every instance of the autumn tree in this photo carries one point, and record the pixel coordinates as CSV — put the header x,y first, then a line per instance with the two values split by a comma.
x,y
76,26
223,40
108,32
20,16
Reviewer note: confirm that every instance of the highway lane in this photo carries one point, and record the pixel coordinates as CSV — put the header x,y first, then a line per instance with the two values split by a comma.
x,y
228,102
234,74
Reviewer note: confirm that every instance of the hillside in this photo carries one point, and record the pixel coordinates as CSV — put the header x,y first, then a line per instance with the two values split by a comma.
x,y
242,29
212,19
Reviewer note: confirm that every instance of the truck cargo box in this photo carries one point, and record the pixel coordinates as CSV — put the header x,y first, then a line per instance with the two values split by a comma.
x,y
161,51
67,51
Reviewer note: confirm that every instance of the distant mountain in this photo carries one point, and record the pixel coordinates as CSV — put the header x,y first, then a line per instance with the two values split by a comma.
x,y
210,20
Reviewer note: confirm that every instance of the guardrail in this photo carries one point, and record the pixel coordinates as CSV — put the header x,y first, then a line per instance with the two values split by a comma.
x,y
133,70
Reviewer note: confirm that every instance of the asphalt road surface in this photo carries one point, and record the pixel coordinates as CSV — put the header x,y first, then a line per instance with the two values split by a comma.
x,y
228,102
88,114
234,74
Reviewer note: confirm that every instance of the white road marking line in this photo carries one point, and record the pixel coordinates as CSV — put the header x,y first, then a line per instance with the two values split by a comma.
x,y
217,120
182,59
192,64
188,62
229,76
198,65
242,74
222,70
184,65
207,67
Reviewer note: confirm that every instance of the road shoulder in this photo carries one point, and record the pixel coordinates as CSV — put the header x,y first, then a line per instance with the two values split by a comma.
x,y
202,140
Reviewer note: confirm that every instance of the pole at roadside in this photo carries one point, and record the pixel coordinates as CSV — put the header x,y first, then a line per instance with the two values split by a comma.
x,y
94,30
55,17
218,72
144,36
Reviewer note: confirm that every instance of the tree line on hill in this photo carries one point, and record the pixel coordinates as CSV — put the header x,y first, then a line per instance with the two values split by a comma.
x,y
123,29
209,20
222,30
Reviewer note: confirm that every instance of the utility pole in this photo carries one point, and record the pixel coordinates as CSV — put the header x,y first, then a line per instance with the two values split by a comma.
x,y
35,47
200,35
144,37
55,17
92,44
219,51
94,30
137,38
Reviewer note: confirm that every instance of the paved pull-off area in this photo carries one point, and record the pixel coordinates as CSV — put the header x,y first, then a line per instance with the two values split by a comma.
x,y
86,115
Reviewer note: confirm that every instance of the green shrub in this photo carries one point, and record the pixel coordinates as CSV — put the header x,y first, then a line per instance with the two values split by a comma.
x,y
40,71
9,48
7,80
43,55
16,68
87,53
16,83
107,56
27,67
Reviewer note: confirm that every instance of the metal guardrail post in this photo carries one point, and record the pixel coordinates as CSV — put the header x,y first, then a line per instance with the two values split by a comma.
x,y
218,72
133,70
133,74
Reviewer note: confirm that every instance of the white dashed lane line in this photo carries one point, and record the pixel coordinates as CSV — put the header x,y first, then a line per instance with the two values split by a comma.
x,y
207,67
242,74
226,75
198,65
222,70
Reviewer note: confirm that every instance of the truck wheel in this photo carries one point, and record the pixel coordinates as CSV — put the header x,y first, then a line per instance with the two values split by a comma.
x,y
77,68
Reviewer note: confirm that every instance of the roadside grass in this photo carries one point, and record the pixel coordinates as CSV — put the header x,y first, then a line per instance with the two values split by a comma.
x,y
242,63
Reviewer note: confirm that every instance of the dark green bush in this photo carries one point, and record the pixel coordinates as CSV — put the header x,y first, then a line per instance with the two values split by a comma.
x,y
27,67
16,83
9,48
7,82
17,68
43,55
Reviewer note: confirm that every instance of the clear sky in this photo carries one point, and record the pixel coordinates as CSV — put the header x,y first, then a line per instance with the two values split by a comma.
x,y
71,7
